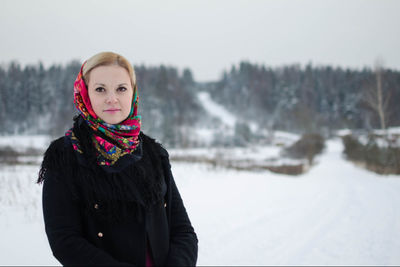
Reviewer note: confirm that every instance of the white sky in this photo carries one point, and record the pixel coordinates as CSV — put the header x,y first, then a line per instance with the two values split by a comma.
x,y
207,36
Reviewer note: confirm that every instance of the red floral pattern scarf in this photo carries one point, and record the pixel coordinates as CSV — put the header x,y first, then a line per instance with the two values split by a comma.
x,y
124,136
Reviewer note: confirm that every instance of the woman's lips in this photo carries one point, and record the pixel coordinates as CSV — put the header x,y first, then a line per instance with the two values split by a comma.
x,y
113,110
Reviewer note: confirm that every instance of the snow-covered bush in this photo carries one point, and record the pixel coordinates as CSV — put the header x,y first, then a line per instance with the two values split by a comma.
x,y
307,147
8,155
368,151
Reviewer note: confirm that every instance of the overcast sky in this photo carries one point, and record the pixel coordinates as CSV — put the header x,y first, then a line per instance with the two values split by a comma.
x,y
207,36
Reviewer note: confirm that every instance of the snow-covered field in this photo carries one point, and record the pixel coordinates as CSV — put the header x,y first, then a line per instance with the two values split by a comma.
x,y
20,143
335,214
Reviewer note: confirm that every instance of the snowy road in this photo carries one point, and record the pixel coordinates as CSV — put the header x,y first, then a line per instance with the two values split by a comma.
x,y
336,214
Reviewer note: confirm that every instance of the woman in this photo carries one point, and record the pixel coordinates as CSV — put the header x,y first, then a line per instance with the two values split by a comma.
x,y
109,197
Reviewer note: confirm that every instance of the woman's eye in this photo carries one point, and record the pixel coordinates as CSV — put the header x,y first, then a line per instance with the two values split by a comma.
x,y
100,89
122,89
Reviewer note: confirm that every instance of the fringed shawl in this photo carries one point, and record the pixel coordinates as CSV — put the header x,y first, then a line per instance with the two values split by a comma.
x,y
118,195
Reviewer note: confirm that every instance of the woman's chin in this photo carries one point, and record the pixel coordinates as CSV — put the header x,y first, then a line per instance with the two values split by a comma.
x,y
112,120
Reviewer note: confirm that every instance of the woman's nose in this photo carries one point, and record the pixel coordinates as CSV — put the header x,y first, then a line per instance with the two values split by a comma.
x,y
111,98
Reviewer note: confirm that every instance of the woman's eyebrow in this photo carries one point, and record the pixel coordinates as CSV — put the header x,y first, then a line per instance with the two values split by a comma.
x,y
102,84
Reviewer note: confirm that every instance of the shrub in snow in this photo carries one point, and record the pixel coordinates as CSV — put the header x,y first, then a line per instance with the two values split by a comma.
x,y
307,147
375,157
8,155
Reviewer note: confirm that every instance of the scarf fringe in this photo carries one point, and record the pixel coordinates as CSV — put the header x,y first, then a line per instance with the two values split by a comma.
x,y
120,195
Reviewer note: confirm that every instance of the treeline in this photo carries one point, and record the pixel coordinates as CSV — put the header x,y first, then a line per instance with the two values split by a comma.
x,y
38,100
309,99
35,100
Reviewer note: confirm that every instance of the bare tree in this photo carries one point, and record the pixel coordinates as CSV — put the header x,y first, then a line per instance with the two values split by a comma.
x,y
377,98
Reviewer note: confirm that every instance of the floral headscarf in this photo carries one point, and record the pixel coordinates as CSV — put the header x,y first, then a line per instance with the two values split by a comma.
x,y
122,138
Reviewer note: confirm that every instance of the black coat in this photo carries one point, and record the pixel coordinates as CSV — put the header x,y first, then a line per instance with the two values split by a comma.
x,y
79,237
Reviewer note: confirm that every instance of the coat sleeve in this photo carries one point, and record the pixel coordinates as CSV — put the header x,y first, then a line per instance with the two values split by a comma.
x,y
64,230
183,240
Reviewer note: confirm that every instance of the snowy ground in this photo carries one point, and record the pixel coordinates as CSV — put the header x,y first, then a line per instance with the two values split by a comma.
x,y
335,214
20,143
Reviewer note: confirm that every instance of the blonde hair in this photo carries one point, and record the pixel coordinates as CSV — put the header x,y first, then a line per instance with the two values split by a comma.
x,y
106,59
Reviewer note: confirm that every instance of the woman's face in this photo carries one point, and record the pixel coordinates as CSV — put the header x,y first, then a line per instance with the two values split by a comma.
x,y
110,93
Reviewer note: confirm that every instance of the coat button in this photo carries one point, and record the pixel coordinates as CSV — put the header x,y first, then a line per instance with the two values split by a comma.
x,y
100,234
96,206
165,204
